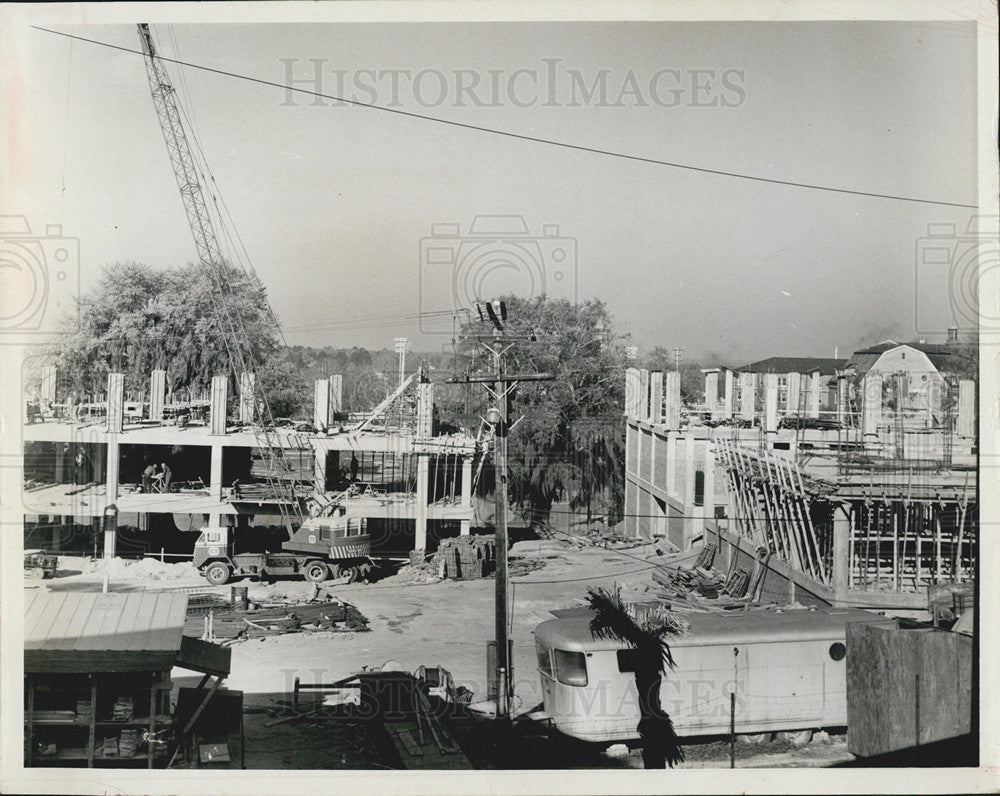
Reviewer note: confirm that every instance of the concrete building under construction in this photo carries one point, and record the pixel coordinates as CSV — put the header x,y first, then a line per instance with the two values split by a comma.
x,y
84,465
852,481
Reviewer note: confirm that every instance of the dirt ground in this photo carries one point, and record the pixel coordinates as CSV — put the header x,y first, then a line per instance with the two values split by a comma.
x,y
413,622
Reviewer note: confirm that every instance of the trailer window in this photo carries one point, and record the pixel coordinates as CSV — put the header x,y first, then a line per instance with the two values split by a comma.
x,y
571,667
544,659
838,651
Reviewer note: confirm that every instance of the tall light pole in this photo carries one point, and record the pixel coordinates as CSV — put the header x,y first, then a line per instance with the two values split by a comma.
x,y
401,350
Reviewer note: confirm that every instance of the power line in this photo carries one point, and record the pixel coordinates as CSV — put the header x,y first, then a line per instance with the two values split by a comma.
x,y
522,136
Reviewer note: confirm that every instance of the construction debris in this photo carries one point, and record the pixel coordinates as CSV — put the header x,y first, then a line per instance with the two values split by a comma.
x,y
701,587
222,621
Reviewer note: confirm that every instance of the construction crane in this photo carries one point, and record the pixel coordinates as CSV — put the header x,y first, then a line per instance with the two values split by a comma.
x,y
234,333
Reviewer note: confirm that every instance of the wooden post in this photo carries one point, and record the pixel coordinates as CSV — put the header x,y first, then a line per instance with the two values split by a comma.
x,y
841,550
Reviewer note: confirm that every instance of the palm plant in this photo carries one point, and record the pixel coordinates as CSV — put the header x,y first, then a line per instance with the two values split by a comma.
x,y
645,634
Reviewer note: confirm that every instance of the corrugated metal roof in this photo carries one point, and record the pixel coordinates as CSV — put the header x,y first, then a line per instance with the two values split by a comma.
x,y
91,622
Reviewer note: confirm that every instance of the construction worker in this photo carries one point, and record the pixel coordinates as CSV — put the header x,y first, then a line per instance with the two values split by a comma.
x,y
78,471
165,476
147,478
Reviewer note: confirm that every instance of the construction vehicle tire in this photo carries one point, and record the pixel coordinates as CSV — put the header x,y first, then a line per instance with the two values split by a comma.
x,y
316,571
217,573
353,573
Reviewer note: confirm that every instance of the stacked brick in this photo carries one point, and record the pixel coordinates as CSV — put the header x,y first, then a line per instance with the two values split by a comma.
x,y
466,557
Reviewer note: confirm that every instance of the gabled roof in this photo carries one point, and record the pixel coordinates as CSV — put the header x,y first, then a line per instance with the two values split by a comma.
x,y
939,354
825,366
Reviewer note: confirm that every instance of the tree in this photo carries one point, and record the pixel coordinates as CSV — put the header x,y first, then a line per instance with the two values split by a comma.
x,y
692,380
615,620
570,442
138,319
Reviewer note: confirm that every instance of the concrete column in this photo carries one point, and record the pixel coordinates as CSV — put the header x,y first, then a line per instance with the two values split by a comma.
x,y
966,408
690,511
841,551
631,509
466,527
59,471
215,481
793,394
815,387
248,384
425,409
319,468
872,408
709,482
631,490
336,394
423,493
632,393
116,403
672,396
771,403
727,399
111,492
843,400
656,397
933,399
157,393
748,398
113,462
643,394
48,384
711,390
217,407
321,404
671,474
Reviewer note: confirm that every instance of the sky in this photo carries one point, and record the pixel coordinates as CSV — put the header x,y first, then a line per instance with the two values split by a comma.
x,y
357,220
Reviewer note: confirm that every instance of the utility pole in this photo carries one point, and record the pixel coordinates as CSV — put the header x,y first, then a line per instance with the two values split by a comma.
x,y
401,350
499,386
502,613
678,351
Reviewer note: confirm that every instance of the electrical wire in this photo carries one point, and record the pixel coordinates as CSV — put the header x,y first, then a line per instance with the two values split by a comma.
x,y
522,136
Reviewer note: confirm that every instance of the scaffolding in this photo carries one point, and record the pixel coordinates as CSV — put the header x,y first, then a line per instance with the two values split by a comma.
x,y
906,529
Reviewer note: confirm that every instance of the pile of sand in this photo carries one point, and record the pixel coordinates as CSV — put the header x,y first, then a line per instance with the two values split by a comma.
x,y
144,568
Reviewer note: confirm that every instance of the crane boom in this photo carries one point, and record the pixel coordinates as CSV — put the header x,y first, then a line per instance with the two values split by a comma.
x,y
168,113
241,356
